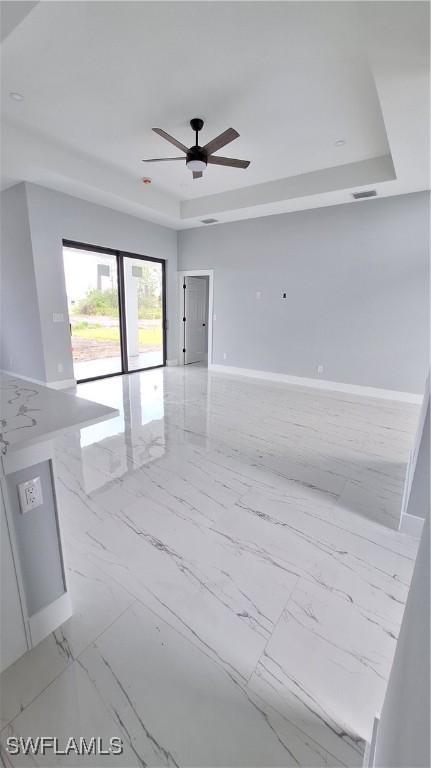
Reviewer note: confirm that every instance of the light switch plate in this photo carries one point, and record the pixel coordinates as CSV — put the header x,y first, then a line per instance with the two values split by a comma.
x,y
30,495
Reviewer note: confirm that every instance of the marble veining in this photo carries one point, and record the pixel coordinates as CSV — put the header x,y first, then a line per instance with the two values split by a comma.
x,y
32,412
237,578
17,411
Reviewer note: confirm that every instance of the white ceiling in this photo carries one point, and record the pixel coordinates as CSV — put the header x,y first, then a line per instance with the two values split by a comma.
x,y
291,77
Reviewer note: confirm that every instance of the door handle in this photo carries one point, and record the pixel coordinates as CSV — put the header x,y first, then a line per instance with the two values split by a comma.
x,y
203,324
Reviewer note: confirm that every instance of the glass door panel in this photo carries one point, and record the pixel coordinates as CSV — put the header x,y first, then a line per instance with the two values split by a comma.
x,y
92,296
143,302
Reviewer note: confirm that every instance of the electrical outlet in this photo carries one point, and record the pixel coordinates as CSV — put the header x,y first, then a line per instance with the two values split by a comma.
x,y
59,367
258,294
57,317
224,355
30,495
319,370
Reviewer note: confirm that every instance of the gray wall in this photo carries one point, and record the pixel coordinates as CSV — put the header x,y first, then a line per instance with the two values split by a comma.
x,y
356,278
21,348
403,737
54,216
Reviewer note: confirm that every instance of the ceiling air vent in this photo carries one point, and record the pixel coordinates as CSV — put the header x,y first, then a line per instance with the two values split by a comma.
x,y
363,195
209,221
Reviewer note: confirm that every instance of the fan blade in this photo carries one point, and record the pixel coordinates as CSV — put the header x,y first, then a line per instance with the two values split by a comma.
x,y
161,159
197,174
220,141
173,141
228,161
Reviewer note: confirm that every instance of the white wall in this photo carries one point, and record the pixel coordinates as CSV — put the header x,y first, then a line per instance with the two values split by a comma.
x,y
403,737
54,216
21,348
357,283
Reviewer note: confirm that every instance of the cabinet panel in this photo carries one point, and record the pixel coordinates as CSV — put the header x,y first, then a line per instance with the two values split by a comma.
x,y
13,641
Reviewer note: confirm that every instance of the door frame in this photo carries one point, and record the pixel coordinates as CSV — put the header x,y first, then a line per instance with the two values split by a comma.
x,y
120,255
195,273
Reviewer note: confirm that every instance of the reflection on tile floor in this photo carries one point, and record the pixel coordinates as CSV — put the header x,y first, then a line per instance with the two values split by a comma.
x,y
237,578
102,366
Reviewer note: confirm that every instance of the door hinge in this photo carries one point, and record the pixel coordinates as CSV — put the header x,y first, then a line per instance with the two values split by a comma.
x,y
184,350
184,286
184,319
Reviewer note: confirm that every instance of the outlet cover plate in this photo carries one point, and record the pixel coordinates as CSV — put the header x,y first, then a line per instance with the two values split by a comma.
x,y
30,495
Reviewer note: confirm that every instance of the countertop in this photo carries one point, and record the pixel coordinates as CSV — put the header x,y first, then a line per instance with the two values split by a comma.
x,y
31,413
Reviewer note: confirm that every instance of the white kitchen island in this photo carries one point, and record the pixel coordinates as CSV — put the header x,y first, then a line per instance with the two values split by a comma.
x,y
34,594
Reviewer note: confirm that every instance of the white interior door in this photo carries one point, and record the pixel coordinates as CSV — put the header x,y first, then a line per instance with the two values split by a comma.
x,y
196,338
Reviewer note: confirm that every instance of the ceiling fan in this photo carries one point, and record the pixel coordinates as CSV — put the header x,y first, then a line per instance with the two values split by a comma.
x,y
198,157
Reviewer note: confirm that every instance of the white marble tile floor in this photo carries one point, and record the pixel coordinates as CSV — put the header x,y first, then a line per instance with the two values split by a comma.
x,y
237,578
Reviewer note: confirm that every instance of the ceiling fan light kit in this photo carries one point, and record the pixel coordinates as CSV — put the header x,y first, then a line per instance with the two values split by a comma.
x,y
197,157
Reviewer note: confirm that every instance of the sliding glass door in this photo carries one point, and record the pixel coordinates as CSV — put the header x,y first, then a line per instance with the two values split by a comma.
x,y
116,307
94,312
143,298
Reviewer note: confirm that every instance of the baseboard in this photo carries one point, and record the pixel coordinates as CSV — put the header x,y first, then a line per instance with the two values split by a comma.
x,y
370,749
64,384
411,525
44,622
25,378
172,362
333,386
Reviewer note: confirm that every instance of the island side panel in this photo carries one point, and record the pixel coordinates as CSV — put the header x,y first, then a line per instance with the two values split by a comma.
x,y
13,640
36,542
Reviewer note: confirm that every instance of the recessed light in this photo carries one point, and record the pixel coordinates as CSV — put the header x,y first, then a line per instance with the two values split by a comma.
x,y
209,221
339,143
16,96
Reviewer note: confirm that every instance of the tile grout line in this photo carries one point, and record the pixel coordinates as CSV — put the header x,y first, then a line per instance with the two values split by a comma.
x,y
92,642
69,664
274,629
287,602
160,618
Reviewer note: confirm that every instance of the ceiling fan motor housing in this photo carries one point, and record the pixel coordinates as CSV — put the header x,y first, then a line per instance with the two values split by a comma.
x,y
196,154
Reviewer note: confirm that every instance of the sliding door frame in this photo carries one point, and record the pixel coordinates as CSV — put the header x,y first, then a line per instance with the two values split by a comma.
x,y
120,256
124,255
